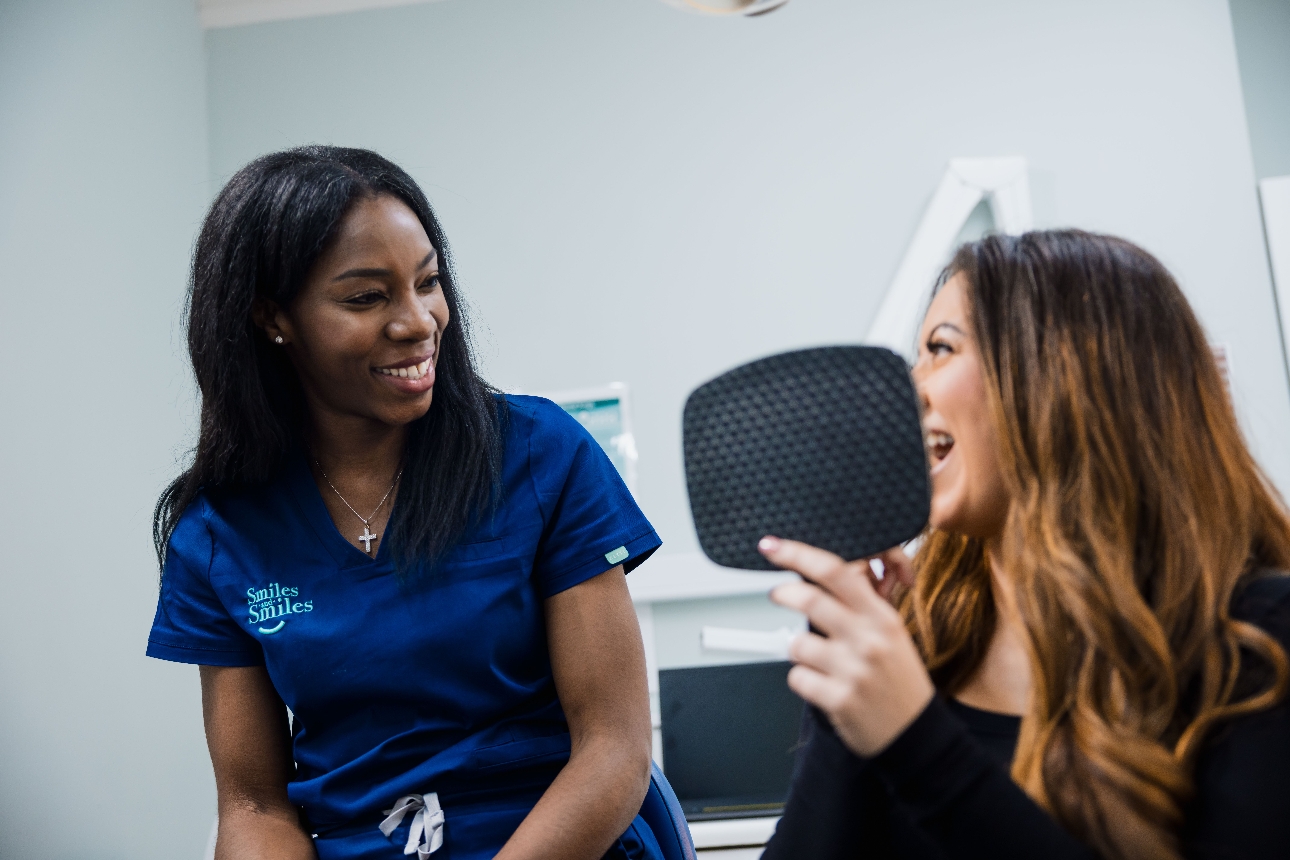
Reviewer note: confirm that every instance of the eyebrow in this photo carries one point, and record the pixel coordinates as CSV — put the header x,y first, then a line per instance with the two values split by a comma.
x,y
940,326
381,273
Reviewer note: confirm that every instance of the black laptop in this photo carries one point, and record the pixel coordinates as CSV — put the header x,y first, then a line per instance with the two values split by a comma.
x,y
729,737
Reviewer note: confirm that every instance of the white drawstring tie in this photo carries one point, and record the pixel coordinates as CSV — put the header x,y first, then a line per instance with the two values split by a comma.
x,y
428,822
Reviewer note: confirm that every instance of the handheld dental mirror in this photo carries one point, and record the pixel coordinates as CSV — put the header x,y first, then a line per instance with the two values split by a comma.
x,y
820,445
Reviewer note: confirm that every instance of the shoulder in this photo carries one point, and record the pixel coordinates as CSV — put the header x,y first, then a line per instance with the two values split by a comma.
x,y
191,544
535,410
540,420
1264,600
219,516
193,523
1242,777
563,459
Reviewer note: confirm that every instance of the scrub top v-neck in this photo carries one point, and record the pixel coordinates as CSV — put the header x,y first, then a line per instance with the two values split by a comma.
x,y
438,682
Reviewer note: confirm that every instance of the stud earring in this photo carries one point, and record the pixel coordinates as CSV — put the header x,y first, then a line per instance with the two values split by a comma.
x,y
278,339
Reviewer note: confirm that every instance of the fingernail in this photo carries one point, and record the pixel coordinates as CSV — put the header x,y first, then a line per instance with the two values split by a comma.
x,y
768,544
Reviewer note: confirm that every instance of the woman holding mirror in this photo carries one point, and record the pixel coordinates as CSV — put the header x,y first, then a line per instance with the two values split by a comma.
x,y
1087,656
430,576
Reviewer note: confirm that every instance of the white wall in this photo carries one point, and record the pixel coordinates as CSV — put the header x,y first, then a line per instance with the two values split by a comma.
x,y
103,177
639,194
633,193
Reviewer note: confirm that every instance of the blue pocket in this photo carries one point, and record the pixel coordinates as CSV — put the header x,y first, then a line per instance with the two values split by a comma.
x,y
523,753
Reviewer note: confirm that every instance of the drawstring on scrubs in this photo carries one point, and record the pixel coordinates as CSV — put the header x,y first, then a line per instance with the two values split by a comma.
x,y
428,821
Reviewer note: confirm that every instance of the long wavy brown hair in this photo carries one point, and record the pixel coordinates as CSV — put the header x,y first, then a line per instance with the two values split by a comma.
x,y
1136,514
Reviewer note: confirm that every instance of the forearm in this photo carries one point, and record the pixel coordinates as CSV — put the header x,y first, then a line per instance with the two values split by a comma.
x,y
836,803
247,833
249,741
589,804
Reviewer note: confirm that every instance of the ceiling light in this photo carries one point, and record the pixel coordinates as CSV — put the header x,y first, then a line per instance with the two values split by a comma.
x,y
747,8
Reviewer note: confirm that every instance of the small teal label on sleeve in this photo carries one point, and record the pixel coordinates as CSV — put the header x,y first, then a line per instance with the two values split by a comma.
x,y
616,555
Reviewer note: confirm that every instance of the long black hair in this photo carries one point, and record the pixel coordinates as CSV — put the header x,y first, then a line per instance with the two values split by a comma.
x,y
260,239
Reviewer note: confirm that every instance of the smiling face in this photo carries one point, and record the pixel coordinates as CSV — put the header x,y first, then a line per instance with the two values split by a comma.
x,y
968,494
363,333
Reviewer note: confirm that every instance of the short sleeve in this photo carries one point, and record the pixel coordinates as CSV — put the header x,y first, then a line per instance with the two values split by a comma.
x,y
591,523
192,625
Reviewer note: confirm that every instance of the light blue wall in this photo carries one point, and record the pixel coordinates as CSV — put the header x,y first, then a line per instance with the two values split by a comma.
x,y
103,177
1262,30
634,193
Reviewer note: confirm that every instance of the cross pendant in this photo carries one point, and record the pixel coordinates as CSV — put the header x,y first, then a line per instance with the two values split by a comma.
x,y
367,537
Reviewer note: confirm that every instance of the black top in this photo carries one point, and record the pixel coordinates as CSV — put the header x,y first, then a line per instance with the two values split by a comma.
x,y
942,789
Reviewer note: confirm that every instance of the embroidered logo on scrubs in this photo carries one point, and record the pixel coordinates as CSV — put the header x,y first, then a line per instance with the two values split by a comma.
x,y
273,604
617,555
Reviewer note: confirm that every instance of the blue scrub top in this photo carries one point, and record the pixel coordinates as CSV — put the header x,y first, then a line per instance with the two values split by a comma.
x,y
441,686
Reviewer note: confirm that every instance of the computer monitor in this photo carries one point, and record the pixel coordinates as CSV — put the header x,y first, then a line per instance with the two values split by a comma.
x,y
729,737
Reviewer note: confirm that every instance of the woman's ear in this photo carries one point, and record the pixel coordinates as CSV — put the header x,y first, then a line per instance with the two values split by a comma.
x,y
269,318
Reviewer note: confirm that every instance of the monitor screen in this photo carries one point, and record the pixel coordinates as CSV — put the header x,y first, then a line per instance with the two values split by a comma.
x,y
729,737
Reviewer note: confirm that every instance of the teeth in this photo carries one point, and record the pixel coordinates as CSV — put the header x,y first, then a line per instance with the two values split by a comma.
x,y
416,371
938,443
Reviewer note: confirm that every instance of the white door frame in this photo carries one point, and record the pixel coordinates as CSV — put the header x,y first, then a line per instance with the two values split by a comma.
x,y
1274,194
1003,183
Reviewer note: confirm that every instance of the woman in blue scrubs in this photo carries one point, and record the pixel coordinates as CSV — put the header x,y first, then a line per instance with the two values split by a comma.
x,y
429,575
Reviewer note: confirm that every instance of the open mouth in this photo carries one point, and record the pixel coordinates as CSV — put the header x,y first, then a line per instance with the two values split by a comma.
x,y
938,445
413,371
